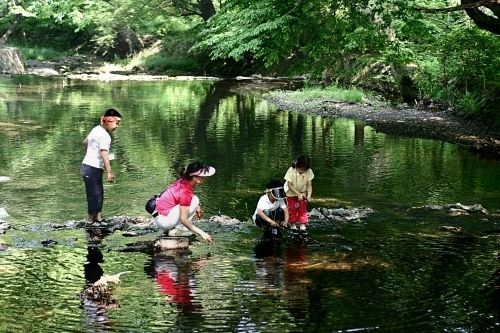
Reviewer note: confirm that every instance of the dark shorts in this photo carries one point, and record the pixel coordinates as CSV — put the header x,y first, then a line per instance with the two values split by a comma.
x,y
93,187
276,215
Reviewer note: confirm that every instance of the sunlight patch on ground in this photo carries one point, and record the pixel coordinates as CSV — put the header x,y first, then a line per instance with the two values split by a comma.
x,y
344,262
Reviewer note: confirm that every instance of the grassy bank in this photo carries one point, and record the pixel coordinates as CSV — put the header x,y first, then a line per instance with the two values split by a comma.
x,y
352,95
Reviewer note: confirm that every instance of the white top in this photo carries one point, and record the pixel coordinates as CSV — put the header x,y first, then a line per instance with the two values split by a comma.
x,y
264,203
97,140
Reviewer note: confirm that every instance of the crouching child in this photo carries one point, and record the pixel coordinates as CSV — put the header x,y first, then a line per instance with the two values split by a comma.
x,y
272,212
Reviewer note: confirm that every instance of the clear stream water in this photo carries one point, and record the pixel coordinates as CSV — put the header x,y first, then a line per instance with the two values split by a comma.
x,y
393,271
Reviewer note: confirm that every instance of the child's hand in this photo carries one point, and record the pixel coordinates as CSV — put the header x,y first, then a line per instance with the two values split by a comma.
x,y
207,237
300,197
274,224
199,213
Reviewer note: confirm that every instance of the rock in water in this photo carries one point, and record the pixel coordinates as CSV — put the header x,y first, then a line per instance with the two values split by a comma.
x,y
4,179
169,243
3,213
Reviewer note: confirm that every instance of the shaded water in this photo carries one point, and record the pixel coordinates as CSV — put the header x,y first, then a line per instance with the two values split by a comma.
x,y
393,271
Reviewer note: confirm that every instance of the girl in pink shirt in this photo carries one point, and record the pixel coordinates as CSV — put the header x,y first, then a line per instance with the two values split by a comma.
x,y
178,204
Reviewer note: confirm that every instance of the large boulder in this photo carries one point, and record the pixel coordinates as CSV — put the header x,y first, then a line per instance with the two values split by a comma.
x,y
11,61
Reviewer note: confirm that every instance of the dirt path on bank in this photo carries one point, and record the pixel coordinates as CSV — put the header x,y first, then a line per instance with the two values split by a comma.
x,y
409,122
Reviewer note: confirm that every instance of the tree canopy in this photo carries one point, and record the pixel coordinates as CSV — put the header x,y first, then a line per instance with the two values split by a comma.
x,y
442,50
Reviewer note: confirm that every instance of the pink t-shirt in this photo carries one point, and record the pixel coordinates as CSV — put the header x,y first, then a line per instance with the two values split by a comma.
x,y
179,193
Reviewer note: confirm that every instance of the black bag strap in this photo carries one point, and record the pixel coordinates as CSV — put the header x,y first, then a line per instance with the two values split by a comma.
x,y
161,193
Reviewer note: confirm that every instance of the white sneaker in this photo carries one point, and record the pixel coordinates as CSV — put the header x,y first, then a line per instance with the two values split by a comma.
x,y
179,233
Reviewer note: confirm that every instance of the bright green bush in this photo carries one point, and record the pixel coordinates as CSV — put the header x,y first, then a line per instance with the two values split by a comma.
x,y
163,62
335,93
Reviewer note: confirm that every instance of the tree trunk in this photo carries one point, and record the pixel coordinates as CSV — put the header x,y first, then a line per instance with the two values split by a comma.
x,y
485,21
7,34
207,9
11,61
5,37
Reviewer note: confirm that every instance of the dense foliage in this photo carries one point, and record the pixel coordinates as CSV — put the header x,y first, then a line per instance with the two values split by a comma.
x,y
398,46
444,51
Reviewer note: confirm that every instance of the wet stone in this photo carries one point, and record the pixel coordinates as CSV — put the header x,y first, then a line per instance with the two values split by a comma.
x,y
340,214
48,242
456,209
4,226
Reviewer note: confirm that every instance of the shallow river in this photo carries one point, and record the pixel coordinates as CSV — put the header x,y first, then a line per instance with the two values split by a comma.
x,y
395,270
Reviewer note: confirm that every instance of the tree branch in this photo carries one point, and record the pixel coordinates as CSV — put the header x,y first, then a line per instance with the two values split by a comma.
x,y
471,7
463,6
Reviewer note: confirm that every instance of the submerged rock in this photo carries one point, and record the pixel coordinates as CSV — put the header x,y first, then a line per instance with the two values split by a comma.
x,y
457,230
170,243
224,220
100,292
112,224
456,209
340,214
4,179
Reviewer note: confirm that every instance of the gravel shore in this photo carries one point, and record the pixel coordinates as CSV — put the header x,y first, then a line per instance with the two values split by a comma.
x,y
404,121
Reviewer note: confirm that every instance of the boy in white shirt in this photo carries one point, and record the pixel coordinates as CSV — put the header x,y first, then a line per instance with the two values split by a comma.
x,y
271,212
97,158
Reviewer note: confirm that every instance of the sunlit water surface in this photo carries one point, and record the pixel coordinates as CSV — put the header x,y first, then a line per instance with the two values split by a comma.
x,y
394,271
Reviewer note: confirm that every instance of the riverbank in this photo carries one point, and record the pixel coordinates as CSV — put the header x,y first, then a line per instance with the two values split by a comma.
x,y
402,120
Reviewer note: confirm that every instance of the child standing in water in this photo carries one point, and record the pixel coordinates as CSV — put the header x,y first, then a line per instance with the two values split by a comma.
x,y
97,158
298,188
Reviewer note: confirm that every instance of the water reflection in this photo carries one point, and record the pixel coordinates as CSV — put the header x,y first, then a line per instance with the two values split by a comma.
x,y
174,273
96,305
281,266
393,270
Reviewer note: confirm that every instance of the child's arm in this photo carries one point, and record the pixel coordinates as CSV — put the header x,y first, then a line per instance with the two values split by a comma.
x,y
287,217
295,191
266,218
309,189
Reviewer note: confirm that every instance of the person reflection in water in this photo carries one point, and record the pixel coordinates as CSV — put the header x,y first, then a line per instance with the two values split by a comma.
x,y
94,305
283,269
174,274
296,282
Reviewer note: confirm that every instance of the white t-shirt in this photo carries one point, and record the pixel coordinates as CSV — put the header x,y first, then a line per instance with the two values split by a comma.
x,y
264,203
97,140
